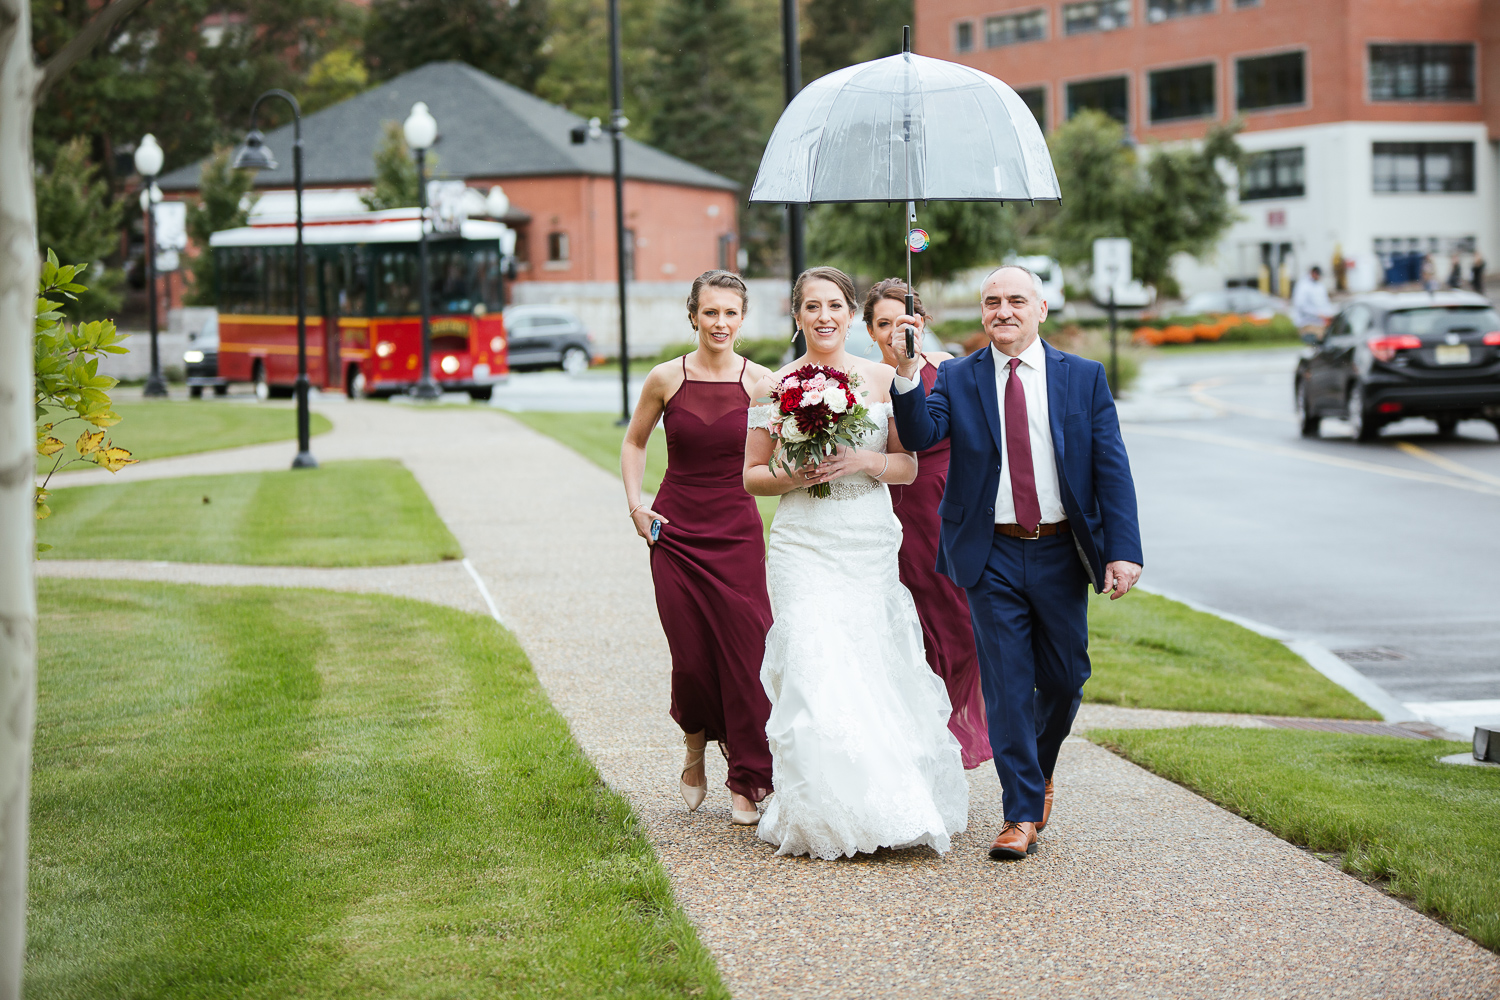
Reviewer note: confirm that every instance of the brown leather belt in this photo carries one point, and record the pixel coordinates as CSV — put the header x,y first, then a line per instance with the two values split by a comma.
x,y
1042,530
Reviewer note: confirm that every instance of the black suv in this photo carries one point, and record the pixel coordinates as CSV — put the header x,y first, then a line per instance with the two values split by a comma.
x,y
1392,355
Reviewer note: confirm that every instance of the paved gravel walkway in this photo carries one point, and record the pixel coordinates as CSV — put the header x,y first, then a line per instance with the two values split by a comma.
x,y
1140,889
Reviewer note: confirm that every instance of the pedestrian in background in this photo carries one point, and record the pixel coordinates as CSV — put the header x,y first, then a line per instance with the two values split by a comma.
x,y
1429,273
1311,308
708,546
1456,273
1476,272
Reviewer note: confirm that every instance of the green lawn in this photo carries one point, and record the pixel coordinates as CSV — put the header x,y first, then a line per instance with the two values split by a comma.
x,y
162,429
1151,652
1425,830
248,792
368,513
596,437
1148,652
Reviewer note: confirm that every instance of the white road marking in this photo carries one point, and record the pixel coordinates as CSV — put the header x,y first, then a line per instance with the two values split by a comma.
x,y
484,592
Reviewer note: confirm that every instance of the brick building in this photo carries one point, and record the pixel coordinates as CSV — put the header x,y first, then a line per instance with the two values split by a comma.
x,y
1373,126
680,218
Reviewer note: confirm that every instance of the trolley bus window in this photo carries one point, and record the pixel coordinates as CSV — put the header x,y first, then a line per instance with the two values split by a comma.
x,y
460,277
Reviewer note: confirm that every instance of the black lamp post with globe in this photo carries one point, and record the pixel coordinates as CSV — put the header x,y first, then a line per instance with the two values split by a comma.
x,y
420,130
148,162
255,155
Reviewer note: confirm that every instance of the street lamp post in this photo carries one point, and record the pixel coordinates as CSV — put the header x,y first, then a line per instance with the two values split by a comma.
x,y
148,161
617,123
420,130
791,54
254,155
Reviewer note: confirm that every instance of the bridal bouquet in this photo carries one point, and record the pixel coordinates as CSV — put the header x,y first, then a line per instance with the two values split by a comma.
x,y
816,412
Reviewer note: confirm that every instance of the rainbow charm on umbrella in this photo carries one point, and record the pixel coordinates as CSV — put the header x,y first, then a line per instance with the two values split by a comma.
x,y
917,240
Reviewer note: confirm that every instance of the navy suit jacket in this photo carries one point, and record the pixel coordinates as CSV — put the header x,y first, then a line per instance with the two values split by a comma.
x,y
1093,470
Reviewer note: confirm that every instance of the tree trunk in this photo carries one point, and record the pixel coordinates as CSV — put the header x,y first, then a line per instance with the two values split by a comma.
x,y
18,278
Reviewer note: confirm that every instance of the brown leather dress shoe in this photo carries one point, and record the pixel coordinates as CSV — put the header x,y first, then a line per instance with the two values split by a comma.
x,y
1016,840
1046,807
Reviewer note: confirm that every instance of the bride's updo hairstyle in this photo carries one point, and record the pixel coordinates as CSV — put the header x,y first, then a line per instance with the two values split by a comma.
x,y
895,290
833,274
717,279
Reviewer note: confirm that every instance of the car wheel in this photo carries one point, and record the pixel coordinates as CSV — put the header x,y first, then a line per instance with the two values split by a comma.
x,y
1447,426
575,360
1361,421
1311,424
354,383
258,377
221,390
482,393
195,391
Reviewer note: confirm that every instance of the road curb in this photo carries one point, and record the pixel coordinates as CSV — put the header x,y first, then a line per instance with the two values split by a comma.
x,y
1317,655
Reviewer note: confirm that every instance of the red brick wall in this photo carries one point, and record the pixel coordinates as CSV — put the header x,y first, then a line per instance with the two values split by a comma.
x,y
1334,34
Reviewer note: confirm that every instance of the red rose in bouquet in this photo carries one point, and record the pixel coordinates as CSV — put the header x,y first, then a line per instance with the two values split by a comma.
x,y
817,412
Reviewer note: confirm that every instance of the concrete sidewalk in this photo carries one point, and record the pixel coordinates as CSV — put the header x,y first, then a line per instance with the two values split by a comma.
x,y
1140,888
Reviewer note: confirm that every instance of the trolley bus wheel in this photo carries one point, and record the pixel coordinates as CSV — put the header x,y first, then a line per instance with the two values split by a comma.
x,y
221,390
482,393
262,387
354,383
195,391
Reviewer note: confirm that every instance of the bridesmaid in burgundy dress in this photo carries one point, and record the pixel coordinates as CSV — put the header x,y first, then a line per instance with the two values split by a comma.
x,y
941,604
708,561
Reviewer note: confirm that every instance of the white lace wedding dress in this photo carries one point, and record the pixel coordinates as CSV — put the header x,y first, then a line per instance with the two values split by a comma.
x,y
860,748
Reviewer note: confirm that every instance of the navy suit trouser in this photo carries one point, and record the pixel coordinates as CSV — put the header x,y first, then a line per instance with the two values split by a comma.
x,y
1030,613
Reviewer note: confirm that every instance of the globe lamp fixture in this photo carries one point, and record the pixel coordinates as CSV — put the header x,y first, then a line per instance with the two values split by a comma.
x,y
148,157
420,128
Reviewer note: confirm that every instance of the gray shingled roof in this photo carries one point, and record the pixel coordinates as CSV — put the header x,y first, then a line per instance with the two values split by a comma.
x,y
487,128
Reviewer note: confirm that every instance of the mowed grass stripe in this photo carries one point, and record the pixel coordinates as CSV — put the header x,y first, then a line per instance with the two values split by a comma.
x,y
1386,804
364,513
183,427
263,792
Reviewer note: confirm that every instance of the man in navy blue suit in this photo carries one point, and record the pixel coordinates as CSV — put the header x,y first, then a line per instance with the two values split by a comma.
x,y
1039,506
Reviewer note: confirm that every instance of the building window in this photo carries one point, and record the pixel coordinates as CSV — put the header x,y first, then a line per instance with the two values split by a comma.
x,y
1274,173
1427,167
1270,82
1243,4
1421,72
1103,15
1008,29
1162,10
1183,93
1036,100
1110,95
963,37
557,248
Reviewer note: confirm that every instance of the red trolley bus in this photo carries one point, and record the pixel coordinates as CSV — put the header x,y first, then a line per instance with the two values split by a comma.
x,y
364,328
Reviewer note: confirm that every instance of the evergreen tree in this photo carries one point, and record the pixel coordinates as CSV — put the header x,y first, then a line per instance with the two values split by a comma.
x,y
870,239
79,219
336,77
839,33
396,172
577,75
503,38
224,202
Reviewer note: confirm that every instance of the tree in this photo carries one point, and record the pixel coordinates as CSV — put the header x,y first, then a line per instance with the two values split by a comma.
x,y
224,202
336,77
78,217
577,74
869,239
839,33
501,37
395,172
1176,202
22,85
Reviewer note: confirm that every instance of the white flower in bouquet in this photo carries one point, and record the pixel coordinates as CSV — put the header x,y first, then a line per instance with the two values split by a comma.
x,y
835,399
791,432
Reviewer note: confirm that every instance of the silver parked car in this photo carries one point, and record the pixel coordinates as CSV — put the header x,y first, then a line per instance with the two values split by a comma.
x,y
547,337
1244,301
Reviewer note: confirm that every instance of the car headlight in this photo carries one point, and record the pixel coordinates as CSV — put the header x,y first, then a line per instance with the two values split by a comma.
x,y
497,344
481,371
385,349
192,357
449,364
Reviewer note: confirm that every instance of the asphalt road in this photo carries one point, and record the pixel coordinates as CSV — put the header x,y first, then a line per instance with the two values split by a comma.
x,y
1387,553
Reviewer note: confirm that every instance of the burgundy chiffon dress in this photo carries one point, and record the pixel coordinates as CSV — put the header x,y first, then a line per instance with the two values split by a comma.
x,y
709,567
941,604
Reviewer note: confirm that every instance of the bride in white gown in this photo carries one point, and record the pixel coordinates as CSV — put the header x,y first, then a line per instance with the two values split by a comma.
x,y
861,753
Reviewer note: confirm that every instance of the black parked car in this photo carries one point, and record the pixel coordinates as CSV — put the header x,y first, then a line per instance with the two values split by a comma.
x,y
201,360
1391,355
547,337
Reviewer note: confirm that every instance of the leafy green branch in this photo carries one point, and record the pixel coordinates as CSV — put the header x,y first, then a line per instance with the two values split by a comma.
x,y
68,379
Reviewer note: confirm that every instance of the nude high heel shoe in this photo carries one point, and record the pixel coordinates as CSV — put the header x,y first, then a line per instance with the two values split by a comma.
x,y
693,795
743,817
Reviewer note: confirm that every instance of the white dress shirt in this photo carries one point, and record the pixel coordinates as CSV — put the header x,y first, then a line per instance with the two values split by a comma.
x,y
1032,371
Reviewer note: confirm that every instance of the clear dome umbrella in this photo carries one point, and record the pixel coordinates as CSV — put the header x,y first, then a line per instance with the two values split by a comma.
x,y
906,128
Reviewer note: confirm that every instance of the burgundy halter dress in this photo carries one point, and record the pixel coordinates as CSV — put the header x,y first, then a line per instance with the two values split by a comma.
x,y
941,604
709,567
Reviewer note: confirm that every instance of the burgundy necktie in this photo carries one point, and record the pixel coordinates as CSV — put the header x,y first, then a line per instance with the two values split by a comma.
x,y
1018,453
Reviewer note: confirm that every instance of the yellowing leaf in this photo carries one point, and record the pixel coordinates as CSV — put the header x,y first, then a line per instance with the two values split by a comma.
x,y
49,446
102,418
42,547
42,510
114,459
88,443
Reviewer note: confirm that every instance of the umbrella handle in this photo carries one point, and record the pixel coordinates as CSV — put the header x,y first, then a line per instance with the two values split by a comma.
x,y
911,302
